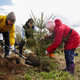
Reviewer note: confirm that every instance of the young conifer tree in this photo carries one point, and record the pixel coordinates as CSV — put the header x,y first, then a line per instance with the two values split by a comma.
x,y
41,31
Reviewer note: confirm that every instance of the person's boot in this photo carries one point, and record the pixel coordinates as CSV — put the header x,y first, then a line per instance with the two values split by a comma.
x,y
71,69
7,56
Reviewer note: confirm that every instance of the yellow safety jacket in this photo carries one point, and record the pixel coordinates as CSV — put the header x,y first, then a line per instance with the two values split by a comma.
x,y
4,28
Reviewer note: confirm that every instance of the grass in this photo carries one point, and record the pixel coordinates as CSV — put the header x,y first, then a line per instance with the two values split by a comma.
x,y
55,73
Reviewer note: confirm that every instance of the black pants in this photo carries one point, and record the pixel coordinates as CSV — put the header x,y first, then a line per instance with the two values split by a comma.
x,y
21,44
69,56
7,41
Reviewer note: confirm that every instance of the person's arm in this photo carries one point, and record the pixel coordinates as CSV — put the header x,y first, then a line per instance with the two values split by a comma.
x,y
52,36
56,43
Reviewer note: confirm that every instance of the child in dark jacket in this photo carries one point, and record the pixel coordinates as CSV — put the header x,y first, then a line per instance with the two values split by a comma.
x,y
27,31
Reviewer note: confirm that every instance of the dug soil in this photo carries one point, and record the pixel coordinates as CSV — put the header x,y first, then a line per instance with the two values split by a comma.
x,y
13,67
10,67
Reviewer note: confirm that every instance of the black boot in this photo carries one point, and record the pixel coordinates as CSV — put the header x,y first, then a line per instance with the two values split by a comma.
x,y
71,69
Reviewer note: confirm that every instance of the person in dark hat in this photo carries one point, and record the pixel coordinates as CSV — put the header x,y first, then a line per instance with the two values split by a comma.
x,y
27,31
7,28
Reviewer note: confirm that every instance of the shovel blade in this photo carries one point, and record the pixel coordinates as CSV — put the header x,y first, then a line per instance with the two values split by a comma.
x,y
32,61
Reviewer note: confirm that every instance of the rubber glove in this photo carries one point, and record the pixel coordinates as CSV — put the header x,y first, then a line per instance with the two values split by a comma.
x,y
12,47
46,53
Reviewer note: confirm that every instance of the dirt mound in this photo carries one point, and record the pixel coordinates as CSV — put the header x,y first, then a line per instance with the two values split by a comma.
x,y
12,67
9,67
4,77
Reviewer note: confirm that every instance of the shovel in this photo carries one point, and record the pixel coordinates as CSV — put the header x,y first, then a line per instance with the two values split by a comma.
x,y
29,60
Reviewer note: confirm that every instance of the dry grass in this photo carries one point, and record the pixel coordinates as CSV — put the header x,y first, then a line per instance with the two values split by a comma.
x,y
61,60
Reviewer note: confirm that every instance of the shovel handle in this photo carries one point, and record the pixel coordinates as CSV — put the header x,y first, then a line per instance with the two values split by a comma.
x,y
15,51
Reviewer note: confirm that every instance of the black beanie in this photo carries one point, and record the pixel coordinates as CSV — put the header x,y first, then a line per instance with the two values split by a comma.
x,y
11,16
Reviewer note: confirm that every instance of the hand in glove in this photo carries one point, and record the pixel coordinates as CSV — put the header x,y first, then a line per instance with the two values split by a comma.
x,y
12,47
46,53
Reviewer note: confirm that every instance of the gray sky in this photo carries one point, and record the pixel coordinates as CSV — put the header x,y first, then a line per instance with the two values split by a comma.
x,y
66,10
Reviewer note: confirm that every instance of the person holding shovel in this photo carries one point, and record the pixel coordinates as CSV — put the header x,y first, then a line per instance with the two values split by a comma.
x,y
27,32
7,28
59,32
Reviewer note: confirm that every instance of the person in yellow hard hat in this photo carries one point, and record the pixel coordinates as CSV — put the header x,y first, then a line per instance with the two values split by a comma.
x,y
7,28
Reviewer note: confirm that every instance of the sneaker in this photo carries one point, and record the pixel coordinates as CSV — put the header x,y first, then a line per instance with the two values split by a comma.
x,y
7,56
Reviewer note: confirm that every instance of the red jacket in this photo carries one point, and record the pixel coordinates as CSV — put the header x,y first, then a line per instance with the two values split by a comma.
x,y
61,31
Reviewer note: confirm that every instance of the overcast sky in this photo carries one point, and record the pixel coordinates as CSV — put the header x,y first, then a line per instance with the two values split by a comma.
x,y
66,10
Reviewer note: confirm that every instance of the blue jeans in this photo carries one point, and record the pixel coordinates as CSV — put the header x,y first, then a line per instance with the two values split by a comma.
x,y
69,57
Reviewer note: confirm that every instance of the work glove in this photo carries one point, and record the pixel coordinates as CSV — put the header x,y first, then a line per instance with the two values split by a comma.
x,y
12,47
46,53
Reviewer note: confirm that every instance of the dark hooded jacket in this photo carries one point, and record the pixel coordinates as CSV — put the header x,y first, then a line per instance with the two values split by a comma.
x,y
28,31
